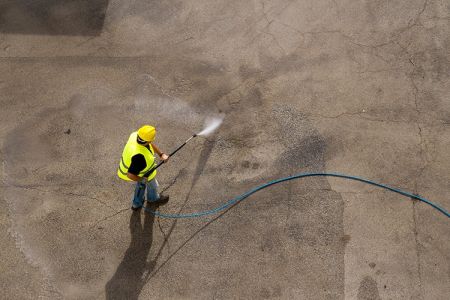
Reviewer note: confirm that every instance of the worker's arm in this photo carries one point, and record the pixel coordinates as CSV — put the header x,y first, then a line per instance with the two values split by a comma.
x,y
133,177
160,153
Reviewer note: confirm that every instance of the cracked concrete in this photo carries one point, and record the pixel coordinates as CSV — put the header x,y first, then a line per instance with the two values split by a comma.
x,y
355,87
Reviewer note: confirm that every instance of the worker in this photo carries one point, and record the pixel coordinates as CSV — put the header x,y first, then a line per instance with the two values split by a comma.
x,y
137,159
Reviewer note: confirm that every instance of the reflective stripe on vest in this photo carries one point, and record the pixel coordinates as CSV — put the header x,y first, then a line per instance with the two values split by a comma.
x,y
132,148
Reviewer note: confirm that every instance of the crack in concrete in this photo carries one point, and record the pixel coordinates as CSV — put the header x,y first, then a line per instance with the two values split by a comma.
x,y
58,192
110,216
171,255
269,22
373,47
338,13
85,41
421,144
438,18
265,13
89,197
422,151
24,187
237,87
173,181
425,164
380,71
303,33
412,23
359,193
276,41
422,148
357,114
416,239
415,93
165,236
417,18
394,38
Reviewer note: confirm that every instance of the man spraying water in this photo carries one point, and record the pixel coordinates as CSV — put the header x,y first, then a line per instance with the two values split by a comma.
x,y
138,162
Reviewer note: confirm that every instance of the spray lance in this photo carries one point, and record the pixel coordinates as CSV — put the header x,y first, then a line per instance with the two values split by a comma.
x,y
211,124
173,152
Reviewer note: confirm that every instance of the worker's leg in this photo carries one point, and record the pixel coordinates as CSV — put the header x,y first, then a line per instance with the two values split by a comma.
x,y
152,190
139,193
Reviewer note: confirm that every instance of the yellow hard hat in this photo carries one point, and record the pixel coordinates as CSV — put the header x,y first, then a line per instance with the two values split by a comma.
x,y
147,133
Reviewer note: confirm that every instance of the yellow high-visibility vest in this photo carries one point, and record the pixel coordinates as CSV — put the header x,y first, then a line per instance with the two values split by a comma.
x,y
132,148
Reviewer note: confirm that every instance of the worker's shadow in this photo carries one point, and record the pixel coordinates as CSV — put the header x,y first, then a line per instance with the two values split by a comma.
x,y
129,278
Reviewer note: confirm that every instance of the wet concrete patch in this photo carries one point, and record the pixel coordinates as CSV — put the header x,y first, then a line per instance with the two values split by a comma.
x,y
55,152
368,289
302,227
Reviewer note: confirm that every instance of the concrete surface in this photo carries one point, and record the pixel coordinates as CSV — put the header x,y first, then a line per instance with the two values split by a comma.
x,y
357,87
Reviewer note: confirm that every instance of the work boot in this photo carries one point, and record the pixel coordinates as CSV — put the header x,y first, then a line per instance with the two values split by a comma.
x,y
163,199
135,208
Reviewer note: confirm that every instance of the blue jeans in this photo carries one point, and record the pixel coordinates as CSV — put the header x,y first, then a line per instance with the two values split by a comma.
x,y
139,191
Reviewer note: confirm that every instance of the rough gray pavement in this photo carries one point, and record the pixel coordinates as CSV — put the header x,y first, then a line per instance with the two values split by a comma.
x,y
356,87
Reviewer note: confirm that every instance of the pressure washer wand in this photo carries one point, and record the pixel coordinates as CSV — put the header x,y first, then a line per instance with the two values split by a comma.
x,y
173,152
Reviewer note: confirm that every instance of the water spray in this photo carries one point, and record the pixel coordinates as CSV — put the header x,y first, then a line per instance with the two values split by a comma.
x,y
211,124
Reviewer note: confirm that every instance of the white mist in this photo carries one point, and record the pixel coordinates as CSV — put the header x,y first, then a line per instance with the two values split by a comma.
x,y
211,124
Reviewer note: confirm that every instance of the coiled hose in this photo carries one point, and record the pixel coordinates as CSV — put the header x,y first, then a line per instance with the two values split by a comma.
x,y
296,176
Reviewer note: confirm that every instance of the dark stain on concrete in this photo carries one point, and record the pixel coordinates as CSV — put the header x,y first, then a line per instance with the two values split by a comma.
x,y
304,146
267,245
245,164
345,239
53,17
24,145
305,151
247,72
254,97
270,292
368,289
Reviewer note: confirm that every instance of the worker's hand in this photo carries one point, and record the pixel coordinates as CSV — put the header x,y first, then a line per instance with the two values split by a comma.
x,y
164,157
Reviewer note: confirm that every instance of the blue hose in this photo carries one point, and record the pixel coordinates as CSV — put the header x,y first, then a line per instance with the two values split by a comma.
x,y
296,176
